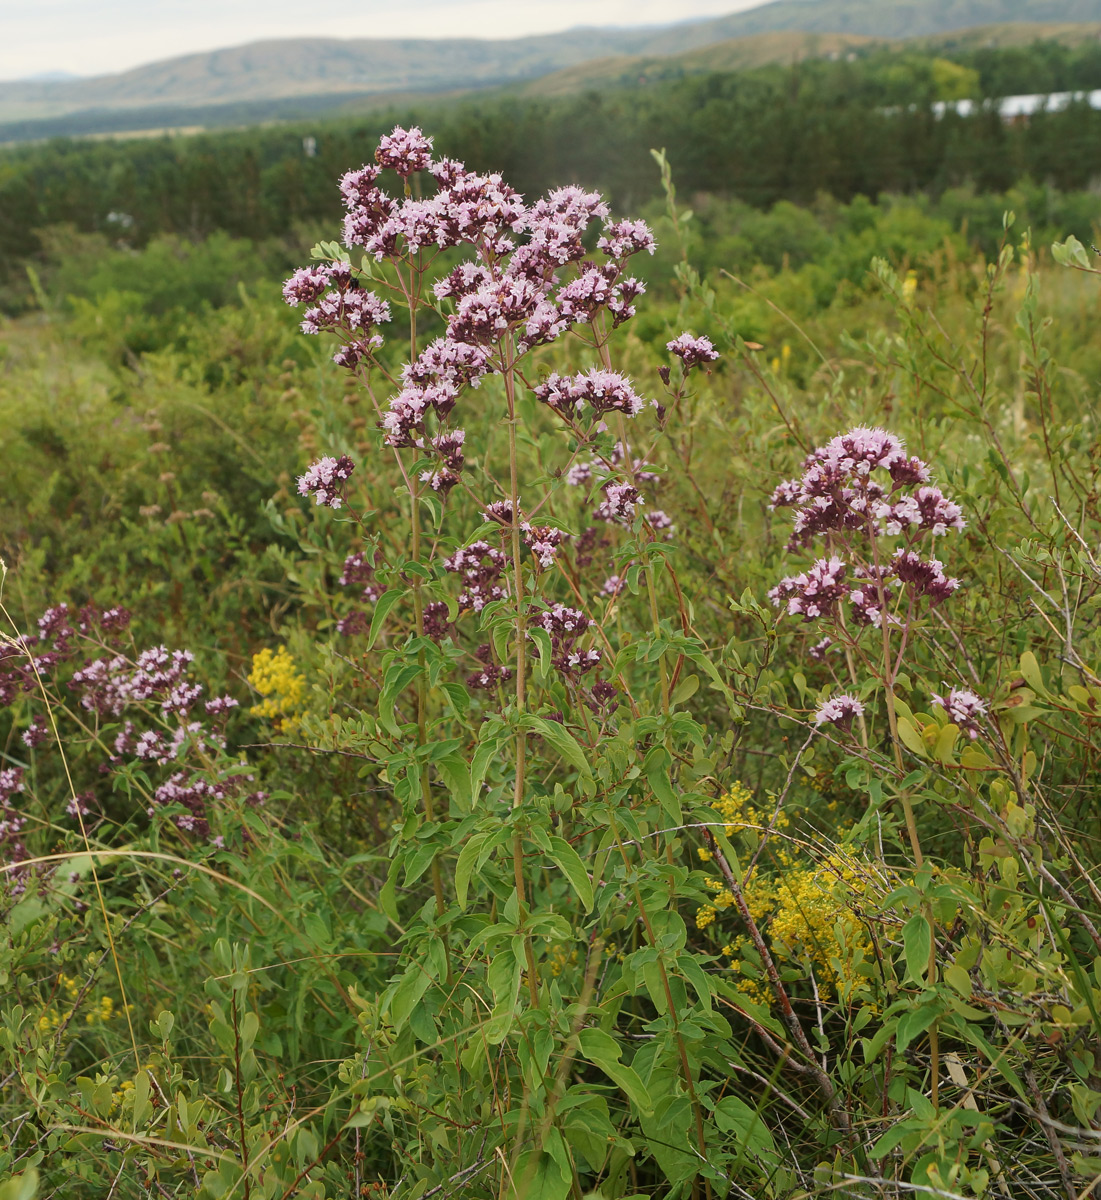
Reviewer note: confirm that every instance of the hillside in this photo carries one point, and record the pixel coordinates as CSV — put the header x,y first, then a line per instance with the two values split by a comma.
x,y
277,79
761,49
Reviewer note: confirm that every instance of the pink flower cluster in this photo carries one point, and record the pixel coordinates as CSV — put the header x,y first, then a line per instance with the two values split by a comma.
x,y
566,626
325,480
159,708
692,351
863,484
839,711
510,294
964,709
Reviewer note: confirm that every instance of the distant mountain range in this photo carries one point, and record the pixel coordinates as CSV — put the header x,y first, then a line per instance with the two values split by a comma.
x,y
307,75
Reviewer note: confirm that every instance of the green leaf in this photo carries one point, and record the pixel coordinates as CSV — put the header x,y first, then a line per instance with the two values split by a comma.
x,y
603,1052
567,858
1070,253
383,604
911,739
917,944
20,1187
915,1022
735,1116
464,868
561,739
946,743
1030,673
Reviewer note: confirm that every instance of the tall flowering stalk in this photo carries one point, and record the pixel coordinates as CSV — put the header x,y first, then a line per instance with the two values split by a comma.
x,y
526,279
516,277
875,508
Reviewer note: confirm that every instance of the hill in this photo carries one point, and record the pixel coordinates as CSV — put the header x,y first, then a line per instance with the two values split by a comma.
x,y
260,80
762,49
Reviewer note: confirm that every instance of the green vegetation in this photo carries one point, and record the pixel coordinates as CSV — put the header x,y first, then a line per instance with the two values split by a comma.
x,y
708,953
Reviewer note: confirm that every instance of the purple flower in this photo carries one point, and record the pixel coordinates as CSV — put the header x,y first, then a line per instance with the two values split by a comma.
x,y
11,781
481,567
35,734
839,711
926,576
692,351
565,626
814,593
964,709
621,239
325,480
604,391
405,151
620,502
544,541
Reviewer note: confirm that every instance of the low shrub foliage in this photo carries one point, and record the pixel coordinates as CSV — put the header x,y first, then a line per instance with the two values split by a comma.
x,y
625,759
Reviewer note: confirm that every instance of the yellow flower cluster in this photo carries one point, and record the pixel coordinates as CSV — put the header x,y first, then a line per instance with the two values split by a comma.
x,y
275,676
560,958
101,1012
738,812
806,910
722,899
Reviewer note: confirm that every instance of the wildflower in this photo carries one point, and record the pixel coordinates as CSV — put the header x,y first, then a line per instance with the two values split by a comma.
x,y
11,782
35,734
692,351
620,502
324,480
621,239
839,711
813,593
275,676
964,709
565,626
927,576
489,674
405,151
543,541
481,567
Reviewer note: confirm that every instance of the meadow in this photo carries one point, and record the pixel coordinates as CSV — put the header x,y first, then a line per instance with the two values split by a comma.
x,y
626,728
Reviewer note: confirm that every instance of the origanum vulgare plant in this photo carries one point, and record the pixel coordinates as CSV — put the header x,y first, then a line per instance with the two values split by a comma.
x,y
518,718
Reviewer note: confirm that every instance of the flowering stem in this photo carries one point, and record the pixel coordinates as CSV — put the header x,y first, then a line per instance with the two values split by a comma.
x,y
889,671
418,618
521,657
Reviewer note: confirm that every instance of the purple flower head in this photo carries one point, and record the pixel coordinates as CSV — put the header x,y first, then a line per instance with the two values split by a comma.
x,y
499,511
603,391
839,711
481,567
325,480
305,285
447,172
11,781
624,294
405,151
964,709
619,505
815,593
692,351
565,626
583,297
488,675
621,239
543,541
358,187
925,575
35,734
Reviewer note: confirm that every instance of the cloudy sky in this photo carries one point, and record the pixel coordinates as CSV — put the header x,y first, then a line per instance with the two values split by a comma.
x,y
96,37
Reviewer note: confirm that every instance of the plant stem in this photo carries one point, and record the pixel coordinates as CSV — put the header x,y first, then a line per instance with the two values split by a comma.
x,y
521,658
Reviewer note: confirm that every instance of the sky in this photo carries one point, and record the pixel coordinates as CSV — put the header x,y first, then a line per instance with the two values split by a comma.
x,y
99,37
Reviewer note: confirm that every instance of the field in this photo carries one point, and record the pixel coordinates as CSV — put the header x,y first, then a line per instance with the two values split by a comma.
x,y
648,748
